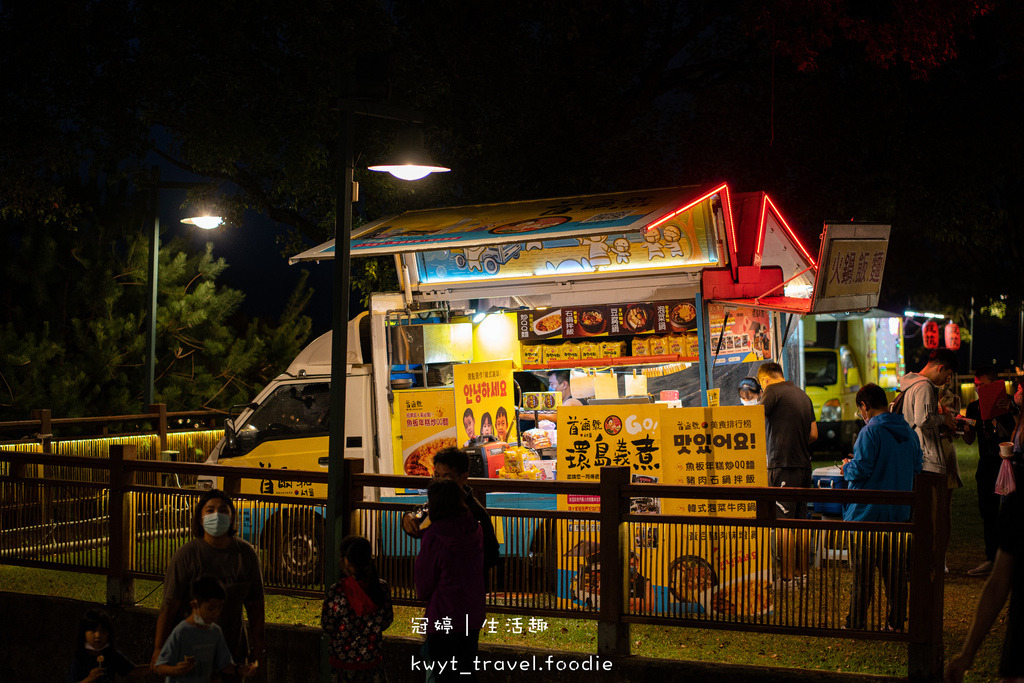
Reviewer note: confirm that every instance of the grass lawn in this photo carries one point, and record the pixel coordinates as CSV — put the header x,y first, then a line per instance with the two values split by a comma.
x,y
832,654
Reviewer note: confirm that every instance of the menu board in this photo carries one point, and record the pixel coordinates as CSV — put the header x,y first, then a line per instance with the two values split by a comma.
x,y
422,424
720,447
675,569
592,437
659,317
739,334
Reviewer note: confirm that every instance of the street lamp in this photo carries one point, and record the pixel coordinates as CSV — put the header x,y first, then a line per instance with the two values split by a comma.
x,y
205,222
413,166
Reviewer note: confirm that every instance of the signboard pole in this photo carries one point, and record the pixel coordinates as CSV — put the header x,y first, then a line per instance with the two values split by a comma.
x,y
702,348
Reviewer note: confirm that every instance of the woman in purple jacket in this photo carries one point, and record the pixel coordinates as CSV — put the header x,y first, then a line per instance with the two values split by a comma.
x,y
449,576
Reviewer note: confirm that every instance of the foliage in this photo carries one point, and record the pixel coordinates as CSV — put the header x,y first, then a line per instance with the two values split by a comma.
x,y
822,103
73,320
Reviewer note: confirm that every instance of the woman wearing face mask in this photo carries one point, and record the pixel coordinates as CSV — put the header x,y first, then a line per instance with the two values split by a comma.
x,y
750,391
216,551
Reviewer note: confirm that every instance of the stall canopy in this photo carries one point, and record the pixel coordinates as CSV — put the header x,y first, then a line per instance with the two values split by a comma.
x,y
739,243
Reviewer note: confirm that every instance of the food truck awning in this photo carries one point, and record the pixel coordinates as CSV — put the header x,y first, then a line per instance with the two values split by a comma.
x,y
533,221
847,276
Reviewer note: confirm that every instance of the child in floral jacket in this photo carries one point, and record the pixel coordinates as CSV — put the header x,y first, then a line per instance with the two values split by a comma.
x,y
356,612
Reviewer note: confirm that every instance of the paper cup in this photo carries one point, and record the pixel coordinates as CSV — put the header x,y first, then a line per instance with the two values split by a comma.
x,y
1006,449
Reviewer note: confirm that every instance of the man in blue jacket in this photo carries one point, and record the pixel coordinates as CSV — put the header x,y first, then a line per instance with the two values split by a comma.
x,y
886,456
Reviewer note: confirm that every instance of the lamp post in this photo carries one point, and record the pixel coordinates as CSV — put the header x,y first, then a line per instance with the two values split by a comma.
x,y
204,222
338,484
408,168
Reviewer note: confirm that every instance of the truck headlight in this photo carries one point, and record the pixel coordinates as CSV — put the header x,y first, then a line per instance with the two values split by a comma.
x,y
831,411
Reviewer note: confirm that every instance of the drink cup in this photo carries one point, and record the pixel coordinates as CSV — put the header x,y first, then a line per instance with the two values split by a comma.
x,y
1006,449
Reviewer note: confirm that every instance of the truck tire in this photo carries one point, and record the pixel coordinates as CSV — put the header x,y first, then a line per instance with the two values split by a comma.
x,y
294,542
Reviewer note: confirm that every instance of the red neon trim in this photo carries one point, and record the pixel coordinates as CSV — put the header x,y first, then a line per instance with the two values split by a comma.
x,y
792,235
731,225
762,227
675,213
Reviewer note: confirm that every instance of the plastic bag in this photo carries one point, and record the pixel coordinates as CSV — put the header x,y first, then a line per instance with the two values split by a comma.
x,y
1005,482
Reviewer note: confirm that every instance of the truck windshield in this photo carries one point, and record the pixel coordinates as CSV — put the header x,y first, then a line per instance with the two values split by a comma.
x,y
292,410
820,368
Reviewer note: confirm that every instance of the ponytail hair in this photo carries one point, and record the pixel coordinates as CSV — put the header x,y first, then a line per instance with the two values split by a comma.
x,y
359,553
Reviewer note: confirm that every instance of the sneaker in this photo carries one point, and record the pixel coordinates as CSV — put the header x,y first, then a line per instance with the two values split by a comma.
x,y
983,569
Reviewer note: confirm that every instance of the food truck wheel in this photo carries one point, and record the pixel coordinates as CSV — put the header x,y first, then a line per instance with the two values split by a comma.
x,y
296,548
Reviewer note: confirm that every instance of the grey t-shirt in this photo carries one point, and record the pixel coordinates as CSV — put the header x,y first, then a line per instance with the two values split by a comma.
x,y
205,644
788,414
238,568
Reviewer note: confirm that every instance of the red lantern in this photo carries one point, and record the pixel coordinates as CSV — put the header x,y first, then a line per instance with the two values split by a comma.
x,y
930,330
952,336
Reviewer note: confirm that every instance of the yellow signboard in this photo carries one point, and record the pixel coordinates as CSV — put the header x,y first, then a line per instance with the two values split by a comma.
x,y
721,447
485,401
422,424
675,569
592,437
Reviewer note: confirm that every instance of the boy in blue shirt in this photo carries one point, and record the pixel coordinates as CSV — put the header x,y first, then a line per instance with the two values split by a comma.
x,y
197,644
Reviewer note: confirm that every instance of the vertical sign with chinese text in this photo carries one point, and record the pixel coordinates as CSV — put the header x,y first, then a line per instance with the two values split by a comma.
x,y
423,423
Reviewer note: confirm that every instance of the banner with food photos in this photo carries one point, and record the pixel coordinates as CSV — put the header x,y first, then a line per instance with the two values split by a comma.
x,y
485,401
739,334
718,567
423,423
572,322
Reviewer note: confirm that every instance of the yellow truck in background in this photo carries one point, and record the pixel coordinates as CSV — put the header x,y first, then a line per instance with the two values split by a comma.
x,y
842,353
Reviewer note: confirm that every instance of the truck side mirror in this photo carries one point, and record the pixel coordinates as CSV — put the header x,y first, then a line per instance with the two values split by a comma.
x,y
229,435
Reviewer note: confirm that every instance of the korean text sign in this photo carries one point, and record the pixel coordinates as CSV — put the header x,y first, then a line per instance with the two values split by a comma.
x,y
485,400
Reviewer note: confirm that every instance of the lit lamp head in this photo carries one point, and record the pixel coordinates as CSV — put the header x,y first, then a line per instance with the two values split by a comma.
x,y
204,222
409,160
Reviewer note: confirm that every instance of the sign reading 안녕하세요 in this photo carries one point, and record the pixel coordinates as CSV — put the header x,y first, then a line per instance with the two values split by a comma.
x,y
485,400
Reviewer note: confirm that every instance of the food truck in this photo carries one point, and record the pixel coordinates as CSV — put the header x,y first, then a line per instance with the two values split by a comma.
x,y
673,293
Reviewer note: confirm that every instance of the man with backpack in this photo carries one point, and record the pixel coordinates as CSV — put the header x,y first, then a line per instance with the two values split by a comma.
x,y
919,404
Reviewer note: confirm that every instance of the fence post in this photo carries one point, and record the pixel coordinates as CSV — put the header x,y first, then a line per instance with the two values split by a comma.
x,y
355,495
45,429
121,590
612,633
927,579
160,410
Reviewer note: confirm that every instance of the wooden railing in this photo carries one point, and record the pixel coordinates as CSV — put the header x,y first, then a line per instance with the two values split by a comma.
x,y
127,530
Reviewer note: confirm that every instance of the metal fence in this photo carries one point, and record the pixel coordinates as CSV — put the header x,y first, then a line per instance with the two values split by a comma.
x,y
554,563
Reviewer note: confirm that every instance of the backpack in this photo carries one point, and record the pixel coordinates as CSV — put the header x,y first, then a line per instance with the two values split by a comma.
x,y
897,405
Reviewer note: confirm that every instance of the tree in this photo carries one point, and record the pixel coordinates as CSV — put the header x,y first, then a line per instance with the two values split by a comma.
x,y
72,322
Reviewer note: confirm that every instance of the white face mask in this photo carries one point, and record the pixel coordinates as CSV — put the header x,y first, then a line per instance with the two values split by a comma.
x,y
198,619
748,402
217,523
90,648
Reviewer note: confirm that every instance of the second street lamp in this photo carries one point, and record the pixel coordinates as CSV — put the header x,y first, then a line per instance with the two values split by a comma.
x,y
153,279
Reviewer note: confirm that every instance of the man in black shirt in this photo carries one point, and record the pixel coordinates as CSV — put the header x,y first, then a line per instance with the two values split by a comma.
x,y
790,428
989,434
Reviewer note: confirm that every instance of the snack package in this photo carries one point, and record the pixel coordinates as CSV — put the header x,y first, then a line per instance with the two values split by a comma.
x,y
553,353
532,401
676,344
659,346
533,354
570,351
550,400
641,346
613,349
692,345
590,350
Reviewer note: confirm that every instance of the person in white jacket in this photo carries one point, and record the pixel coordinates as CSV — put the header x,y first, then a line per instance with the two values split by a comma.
x,y
921,410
